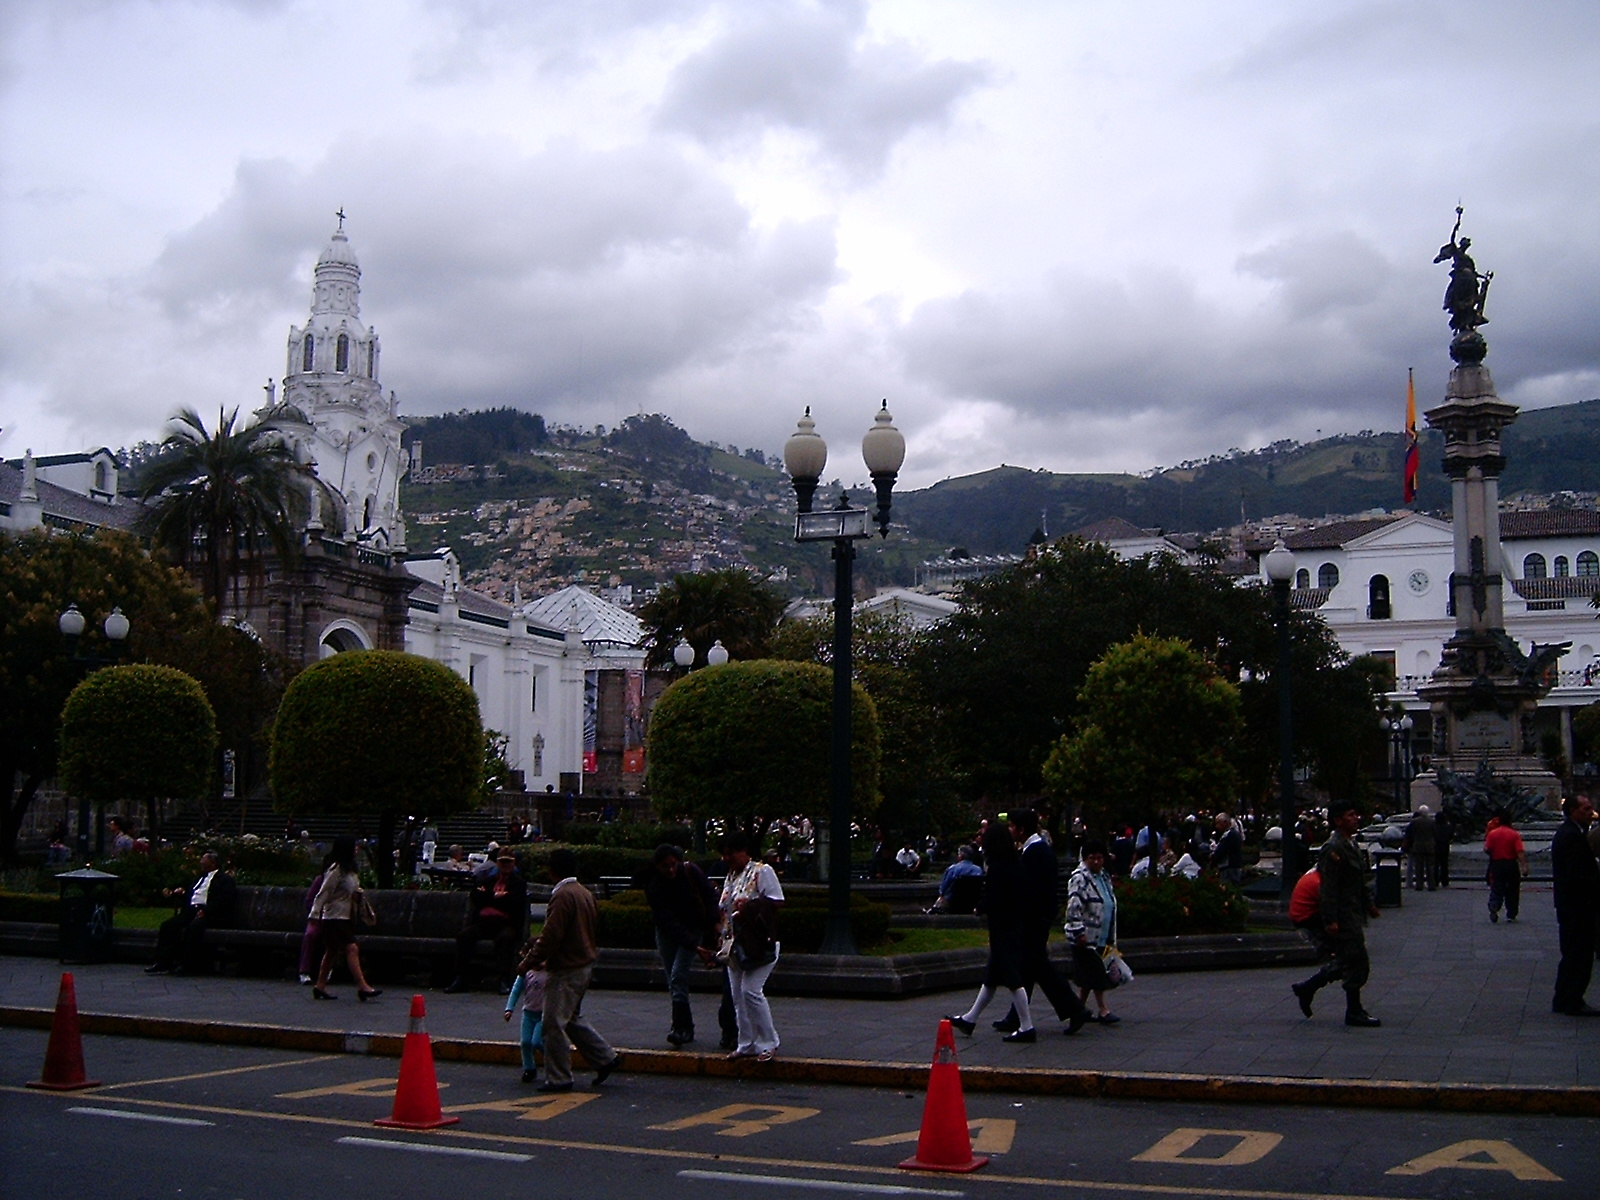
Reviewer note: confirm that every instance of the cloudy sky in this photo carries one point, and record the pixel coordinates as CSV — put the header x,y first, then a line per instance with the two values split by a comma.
x,y
1082,236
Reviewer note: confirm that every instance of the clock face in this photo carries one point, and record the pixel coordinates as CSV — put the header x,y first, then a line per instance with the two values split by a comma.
x,y
1419,582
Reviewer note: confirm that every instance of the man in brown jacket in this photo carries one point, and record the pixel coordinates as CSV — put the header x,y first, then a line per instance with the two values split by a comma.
x,y
565,951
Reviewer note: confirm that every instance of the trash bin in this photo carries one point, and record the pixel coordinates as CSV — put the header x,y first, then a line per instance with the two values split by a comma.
x,y
86,911
1386,881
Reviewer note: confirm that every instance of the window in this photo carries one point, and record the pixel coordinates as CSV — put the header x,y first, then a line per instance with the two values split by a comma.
x,y
366,513
1378,598
341,354
1562,570
1302,578
1588,564
102,477
1327,576
308,353
1533,567
372,359
533,701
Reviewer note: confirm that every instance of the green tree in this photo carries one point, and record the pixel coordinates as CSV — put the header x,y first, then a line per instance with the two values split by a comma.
x,y
140,734
378,732
1157,729
40,574
1006,669
888,654
749,742
730,606
1586,733
219,497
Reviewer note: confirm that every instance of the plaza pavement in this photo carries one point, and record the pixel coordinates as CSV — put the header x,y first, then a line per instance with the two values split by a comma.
x,y
1462,1001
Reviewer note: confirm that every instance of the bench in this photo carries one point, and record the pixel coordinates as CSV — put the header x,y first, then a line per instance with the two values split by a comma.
x,y
413,927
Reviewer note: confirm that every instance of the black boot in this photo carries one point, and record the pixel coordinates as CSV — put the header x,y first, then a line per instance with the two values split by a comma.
x,y
682,1024
1355,1015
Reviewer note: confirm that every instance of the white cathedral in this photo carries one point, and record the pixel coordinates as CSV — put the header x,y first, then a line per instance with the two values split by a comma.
x,y
532,665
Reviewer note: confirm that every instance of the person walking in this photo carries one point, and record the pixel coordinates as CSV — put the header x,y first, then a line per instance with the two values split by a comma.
x,y
1041,905
685,908
1004,905
1508,864
1092,926
311,938
528,992
1305,913
1577,888
1421,834
334,909
1346,904
566,950
748,945
1443,830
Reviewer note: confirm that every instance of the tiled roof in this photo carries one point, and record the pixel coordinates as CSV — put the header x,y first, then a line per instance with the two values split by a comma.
x,y
1569,587
1110,529
1549,522
1336,533
595,619
1309,598
66,505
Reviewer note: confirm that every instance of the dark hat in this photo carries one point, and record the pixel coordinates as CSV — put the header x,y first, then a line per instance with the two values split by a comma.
x,y
1338,808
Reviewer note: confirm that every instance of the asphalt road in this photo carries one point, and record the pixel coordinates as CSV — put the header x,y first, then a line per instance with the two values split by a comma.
x,y
181,1120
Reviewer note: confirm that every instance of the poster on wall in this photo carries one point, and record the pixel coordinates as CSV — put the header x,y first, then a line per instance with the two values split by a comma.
x,y
591,721
633,723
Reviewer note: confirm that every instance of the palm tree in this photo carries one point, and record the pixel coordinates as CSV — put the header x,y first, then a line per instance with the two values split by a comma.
x,y
219,497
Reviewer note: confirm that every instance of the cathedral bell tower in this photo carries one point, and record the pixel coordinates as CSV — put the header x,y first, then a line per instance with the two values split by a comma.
x,y
334,407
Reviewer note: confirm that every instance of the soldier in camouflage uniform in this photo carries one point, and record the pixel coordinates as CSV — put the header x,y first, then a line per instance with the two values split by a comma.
x,y
1346,905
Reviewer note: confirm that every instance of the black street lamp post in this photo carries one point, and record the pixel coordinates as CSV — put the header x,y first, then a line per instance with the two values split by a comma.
x,y
72,623
1399,731
1279,565
804,455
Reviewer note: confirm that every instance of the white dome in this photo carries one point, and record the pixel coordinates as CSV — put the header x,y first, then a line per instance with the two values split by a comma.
x,y
338,251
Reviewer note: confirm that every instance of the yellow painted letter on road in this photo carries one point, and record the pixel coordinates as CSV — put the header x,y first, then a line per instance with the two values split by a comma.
x,y
1498,1156
531,1108
1249,1146
362,1087
741,1120
990,1135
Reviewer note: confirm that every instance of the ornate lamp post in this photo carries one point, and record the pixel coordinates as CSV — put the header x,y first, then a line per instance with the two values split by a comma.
x,y
1279,565
72,623
1399,731
805,454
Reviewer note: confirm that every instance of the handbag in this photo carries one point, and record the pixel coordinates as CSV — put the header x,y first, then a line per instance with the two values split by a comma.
x,y
1118,972
369,915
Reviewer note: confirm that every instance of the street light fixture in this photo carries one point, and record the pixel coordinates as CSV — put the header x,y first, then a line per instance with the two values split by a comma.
x,y
1279,566
805,454
683,654
1399,731
72,624
717,655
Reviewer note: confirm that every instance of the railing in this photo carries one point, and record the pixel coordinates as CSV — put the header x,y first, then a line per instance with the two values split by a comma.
x,y
1587,677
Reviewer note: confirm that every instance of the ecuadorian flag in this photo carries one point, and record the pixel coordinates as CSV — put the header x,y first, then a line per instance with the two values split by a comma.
x,y
1413,455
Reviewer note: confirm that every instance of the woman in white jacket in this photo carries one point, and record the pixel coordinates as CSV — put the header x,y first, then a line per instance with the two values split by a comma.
x,y
335,907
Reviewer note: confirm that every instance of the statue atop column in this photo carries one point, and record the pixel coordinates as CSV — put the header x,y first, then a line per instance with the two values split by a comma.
x,y
1464,296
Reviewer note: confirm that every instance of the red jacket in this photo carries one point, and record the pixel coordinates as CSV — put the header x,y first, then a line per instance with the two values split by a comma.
x,y
1306,901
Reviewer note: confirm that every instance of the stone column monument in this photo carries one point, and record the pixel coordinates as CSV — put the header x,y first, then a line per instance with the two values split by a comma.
x,y
1485,690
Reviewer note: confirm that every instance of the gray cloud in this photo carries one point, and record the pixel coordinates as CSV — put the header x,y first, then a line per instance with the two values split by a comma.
x,y
808,69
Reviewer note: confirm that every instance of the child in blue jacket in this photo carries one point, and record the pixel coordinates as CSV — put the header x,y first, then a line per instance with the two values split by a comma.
x,y
529,989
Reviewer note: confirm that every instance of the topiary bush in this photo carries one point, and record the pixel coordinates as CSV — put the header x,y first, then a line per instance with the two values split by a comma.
x,y
1167,907
29,906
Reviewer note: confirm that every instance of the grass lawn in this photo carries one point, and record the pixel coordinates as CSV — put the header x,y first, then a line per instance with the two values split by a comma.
x,y
918,941
140,918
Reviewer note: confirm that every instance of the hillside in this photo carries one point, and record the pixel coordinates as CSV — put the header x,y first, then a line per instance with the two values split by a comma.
x,y
547,506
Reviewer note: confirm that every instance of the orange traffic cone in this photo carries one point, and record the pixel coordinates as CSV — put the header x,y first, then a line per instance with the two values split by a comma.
x,y
416,1096
63,1058
945,1142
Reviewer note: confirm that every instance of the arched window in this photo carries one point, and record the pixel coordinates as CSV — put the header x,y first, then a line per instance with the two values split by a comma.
x,y
372,359
1302,578
1533,567
1378,598
1588,564
1562,568
1327,576
102,477
308,355
366,513
341,354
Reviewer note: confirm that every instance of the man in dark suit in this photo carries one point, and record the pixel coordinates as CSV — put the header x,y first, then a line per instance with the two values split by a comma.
x,y
210,903
1040,907
497,911
1577,887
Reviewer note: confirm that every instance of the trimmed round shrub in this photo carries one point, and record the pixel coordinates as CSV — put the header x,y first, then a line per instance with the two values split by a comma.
x,y
1166,907
137,733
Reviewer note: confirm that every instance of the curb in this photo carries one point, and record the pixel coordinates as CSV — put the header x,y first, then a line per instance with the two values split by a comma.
x,y
1099,1085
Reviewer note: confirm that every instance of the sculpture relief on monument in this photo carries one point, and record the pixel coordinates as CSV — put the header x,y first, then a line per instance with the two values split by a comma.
x,y
1485,690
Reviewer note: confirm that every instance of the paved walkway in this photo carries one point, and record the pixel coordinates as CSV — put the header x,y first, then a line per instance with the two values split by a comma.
x,y
1462,1001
